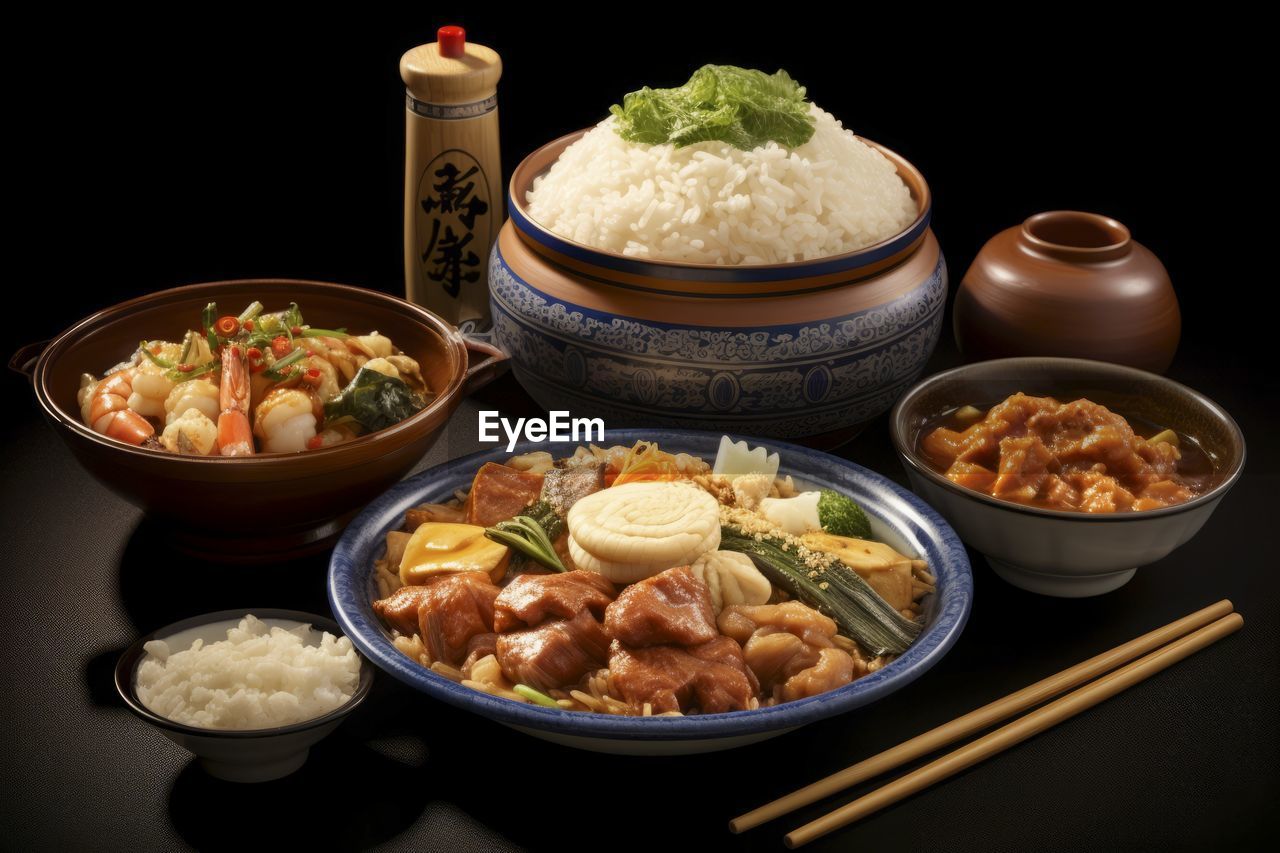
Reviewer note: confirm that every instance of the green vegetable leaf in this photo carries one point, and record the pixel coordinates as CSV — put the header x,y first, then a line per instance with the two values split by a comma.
x,y
840,516
741,106
374,400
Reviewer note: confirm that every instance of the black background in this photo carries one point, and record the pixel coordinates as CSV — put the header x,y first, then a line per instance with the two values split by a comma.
x,y
156,151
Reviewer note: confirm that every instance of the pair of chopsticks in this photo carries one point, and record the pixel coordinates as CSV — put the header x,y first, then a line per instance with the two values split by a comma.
x,y
1119,668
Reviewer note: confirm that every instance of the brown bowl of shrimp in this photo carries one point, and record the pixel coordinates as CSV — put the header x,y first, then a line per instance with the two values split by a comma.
x,y
286,405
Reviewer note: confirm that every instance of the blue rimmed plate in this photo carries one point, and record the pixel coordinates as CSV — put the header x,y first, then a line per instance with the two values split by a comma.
x,y
897,516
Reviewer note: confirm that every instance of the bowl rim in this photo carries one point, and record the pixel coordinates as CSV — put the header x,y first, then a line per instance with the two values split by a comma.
x,y
348,579
127,667
911,459
450,336
879,250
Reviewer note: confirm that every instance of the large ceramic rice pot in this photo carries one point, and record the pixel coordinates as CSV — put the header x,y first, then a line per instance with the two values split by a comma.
x,y
808,350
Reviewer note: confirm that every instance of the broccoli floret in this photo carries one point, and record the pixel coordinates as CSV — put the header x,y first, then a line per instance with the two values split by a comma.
x,y
840,516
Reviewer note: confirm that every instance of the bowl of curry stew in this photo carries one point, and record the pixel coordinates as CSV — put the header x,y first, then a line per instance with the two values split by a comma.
x,y
1067,474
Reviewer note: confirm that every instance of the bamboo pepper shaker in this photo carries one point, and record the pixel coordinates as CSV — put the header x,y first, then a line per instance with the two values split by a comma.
x,y
453,175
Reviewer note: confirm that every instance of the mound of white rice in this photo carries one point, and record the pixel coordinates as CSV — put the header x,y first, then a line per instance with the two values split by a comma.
x,y
257,678
713,203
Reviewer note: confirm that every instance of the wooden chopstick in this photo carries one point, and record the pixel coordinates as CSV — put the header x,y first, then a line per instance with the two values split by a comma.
x,y
984,717
1019,730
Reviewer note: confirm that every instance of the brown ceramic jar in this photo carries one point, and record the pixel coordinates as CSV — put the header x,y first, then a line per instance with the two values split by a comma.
x,y
1072,284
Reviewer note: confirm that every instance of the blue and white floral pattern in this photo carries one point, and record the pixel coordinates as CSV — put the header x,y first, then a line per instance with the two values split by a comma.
x,y
785,381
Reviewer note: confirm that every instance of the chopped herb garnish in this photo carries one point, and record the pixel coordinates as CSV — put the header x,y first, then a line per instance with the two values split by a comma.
x,y
209,317
254,309
534,696
532,534
153,358
325,333
208,367
274,371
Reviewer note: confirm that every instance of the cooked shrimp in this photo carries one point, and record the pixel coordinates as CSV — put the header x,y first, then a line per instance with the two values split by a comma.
x,y
150,384
150,389
84,397
260,384
338,354
372,345
286,420
235,438
329,385
374,351
337,434
105,409
383,366
409,369
192,433
200,394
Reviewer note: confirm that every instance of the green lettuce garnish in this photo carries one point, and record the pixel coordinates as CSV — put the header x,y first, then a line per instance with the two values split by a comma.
x,y
373,400
721,103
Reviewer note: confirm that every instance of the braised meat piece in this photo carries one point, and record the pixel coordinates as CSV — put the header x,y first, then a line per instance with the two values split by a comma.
x,y
549,627
499,493
671,607
479,646
420,515
1023,469
1068,456
790,648
557,653
530,599
710,677
459,607
450,611
400,609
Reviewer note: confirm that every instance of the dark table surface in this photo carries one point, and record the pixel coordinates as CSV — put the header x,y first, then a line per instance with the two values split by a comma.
x,y
1187,759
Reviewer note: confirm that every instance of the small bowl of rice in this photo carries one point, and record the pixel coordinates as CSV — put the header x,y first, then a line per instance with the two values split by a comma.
x,y
248,692
794,293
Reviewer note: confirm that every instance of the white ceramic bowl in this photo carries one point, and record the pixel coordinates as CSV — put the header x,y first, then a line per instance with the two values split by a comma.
x,y
249,755
1053,552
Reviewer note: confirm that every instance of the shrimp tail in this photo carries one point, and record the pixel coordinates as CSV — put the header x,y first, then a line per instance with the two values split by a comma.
x,y
129,426
108,410
235,436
